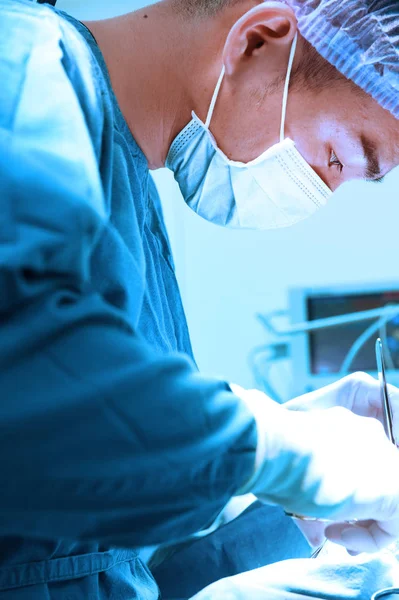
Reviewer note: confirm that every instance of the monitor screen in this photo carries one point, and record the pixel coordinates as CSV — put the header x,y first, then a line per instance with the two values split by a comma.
x,y
329,347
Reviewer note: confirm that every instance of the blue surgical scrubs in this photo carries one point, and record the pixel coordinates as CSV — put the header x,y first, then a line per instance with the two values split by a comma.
x,y
110,439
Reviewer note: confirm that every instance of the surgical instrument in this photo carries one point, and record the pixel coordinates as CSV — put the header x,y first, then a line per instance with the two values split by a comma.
x,y
387,410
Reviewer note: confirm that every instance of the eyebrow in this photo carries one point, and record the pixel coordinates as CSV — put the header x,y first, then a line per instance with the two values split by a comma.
x,y
373,168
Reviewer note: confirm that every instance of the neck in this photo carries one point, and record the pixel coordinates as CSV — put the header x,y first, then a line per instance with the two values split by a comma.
x,y
161,67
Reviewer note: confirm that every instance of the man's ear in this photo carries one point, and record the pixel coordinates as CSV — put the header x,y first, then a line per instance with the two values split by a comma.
x,y
266,26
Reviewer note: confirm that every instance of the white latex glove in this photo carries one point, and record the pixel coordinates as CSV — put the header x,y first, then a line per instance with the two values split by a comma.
x,y
328,464
303,579
358,392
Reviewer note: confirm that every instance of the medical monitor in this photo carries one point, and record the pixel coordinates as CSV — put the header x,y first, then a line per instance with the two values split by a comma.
x,y
317,356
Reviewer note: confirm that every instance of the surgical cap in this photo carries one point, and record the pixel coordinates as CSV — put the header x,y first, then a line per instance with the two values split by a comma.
x,y
360,38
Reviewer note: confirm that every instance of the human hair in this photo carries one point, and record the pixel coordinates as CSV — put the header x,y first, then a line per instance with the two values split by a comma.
x,y
202,8
314,72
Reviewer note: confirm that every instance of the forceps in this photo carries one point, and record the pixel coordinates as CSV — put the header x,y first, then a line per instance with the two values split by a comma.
x,y
386,405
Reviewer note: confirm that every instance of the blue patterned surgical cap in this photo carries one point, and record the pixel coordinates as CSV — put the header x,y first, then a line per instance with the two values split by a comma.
x,y
360,38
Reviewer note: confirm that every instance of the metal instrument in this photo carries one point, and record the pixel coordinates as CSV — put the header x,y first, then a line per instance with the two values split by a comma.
x,y
387,410
386,594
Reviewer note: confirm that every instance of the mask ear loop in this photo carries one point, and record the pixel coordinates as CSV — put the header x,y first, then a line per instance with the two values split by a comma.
x,y
286,86
285,94
214,98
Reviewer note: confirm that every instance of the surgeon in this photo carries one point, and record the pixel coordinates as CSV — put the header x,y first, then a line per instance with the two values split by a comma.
x,y
110,438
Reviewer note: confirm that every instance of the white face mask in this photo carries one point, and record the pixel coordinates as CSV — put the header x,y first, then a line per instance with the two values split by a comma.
x,y
277,189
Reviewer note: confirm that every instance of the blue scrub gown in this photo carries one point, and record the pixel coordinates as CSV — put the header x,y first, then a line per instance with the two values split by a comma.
x,y
110,439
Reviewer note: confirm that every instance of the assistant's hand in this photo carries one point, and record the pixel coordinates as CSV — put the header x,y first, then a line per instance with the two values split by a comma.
x,y
327,464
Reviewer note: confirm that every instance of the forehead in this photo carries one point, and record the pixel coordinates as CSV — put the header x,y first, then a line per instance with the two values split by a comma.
x,y
374,126
383,129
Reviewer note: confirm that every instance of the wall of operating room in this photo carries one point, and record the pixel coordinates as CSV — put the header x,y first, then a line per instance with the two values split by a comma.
x,y
226,276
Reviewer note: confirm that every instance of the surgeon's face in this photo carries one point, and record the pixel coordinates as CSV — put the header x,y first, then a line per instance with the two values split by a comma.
x,y
341,131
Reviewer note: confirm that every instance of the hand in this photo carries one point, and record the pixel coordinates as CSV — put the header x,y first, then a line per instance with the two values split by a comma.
x,y
328,464
359,392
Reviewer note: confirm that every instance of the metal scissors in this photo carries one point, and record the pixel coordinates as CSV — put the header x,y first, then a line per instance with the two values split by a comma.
x,y
388,423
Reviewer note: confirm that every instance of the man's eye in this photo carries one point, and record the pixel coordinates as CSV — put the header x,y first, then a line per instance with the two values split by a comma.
x,y
335,162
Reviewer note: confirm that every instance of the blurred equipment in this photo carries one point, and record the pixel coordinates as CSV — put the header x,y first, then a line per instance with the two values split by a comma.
x,y
325,334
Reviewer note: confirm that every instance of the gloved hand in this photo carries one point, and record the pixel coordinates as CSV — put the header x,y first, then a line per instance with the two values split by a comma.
x,y
328,464
358,392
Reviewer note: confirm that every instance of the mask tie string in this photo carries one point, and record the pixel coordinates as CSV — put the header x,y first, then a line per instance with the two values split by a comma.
x,y
285,93
214,98
286,86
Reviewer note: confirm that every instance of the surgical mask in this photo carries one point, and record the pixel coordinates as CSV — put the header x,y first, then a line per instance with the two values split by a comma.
x,y
277,189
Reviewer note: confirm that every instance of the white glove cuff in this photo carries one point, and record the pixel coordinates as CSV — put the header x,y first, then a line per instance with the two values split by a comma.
x,y
266,412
